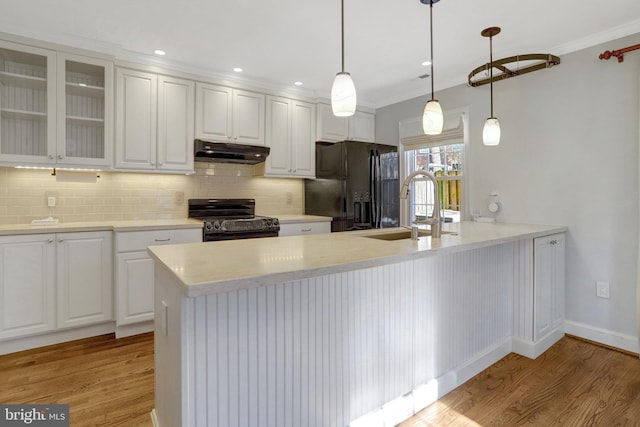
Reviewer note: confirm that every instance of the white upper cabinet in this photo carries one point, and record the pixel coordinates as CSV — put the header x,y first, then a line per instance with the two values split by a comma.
x,y
85,111
175,124
56,108
230,115
154,126
359,127
290,135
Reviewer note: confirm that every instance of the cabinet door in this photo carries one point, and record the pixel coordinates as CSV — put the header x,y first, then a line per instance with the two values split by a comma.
x,y
548,284
84,278
302,228
248,117
362,127
135,279
85,111
136,119
27,104
303,129
278,136
175,124
214,112
27,285
330,127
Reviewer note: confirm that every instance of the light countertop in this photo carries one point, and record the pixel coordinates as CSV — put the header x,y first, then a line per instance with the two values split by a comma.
x,y
211,267
119,226
295,219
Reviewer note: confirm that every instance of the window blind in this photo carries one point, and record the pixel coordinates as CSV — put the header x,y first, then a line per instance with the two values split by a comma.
x,y
413,138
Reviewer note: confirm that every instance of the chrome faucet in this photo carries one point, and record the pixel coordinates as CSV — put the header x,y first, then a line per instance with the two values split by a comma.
x,y
434,221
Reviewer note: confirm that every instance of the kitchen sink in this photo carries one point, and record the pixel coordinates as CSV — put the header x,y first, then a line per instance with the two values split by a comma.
x,y
404,234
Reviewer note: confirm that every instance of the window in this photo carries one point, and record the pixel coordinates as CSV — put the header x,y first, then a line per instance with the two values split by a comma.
x,y
445,162
442,155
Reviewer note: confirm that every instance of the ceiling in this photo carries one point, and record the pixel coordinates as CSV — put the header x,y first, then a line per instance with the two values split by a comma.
x,y
278,42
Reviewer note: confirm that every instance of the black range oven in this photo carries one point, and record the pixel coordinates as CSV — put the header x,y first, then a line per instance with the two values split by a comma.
x,y
229,219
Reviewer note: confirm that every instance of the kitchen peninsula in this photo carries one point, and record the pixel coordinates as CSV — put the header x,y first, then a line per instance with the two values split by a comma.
x,y
346,328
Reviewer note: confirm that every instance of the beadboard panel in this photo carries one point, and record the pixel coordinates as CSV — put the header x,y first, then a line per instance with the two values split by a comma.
x,y
523,290
324,351
462,308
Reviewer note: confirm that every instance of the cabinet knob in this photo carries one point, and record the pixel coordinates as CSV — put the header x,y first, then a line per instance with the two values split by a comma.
x,y
60,240
50,156
50,240
553,242
60,156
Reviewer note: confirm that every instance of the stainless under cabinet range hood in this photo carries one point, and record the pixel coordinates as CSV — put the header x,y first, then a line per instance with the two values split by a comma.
x,y
223,152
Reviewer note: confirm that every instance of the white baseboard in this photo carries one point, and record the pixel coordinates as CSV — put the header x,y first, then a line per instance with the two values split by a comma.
x,y
603,336
405,406
55,337
134,329
154,418
533,350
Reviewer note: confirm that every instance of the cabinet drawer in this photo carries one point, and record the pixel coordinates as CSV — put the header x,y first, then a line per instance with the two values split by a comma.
x,y
304,228
140,240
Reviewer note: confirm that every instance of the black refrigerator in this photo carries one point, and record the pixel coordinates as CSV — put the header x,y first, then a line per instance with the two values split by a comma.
x,y
356,184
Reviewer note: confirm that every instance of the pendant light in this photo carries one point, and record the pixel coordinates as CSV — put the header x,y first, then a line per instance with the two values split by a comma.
x,y
432,118
491,130
343,92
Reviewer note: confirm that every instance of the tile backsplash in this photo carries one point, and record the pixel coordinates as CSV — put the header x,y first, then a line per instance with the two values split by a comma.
x,y
126,196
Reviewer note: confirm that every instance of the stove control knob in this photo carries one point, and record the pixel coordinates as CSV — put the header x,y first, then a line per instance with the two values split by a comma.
x,y
217,226
208,226
275,222
269,222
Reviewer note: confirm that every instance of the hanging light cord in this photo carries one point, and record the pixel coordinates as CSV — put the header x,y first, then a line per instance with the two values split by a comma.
x,y
431,36
342,30
491,70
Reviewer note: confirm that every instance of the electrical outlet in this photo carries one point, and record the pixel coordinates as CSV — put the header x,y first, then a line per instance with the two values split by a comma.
x,y
178,197
602,289
289,197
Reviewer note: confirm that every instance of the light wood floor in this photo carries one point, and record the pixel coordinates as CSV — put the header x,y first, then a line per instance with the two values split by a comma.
x,y
110,382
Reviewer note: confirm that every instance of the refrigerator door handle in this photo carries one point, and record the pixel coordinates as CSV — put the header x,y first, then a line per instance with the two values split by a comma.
x,y
375,188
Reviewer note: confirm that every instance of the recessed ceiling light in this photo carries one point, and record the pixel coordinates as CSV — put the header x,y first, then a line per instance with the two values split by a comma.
x,y
297,83
237,69
160,52
426,63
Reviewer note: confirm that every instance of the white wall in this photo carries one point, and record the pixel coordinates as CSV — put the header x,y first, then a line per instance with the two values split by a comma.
x,y
568,155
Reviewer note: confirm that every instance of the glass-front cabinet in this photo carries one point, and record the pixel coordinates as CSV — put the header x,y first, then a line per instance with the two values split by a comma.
x,y
56,108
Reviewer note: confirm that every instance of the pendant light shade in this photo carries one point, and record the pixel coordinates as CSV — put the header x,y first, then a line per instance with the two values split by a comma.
x,y
343,91
432,118
343,95
491,130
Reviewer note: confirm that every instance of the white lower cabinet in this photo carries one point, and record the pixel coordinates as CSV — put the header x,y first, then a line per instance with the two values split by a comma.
x,y
548,284
301,228
27,285
54,281
135,271
85,289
